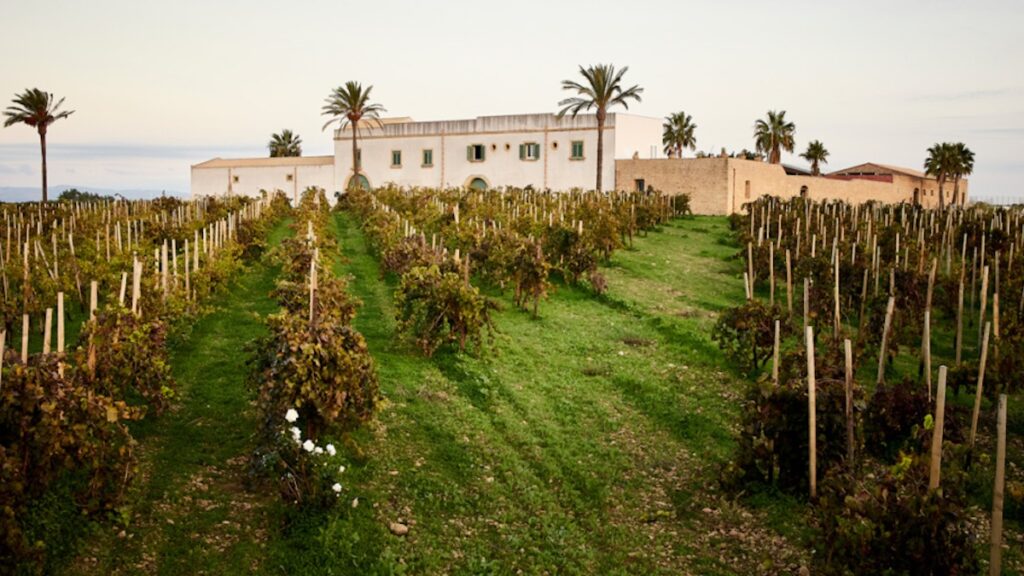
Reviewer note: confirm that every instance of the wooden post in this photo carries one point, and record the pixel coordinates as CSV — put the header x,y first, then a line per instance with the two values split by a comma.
x,y
775,356
94,287
981,384
124,287
3,341
771,274
812,414
60,322
848,349
960,321
746,285
884,350
984,301
750,266
807,301
996,546
48,331
24,339
789,284
934,477
136,286
312,283
926,351
836,319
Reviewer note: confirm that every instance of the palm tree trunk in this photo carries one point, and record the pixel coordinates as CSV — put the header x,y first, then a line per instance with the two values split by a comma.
x,y
42,147
942,195
355,152
600,147
956,192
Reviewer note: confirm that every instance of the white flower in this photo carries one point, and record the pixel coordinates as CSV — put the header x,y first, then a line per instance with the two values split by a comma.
x,y
318,450
336,487
308,446
296,435
341,468
355,502
291,415
331,450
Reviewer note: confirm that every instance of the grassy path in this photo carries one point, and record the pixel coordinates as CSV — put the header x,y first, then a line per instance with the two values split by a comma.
x,y
190,512
587,443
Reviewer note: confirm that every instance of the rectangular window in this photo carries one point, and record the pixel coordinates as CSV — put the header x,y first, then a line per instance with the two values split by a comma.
x,y
396,158
529,151
640,185
475,152
234,179
289,177
428,158
577,150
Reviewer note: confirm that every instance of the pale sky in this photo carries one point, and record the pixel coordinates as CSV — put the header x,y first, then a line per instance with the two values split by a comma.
x,y
160,86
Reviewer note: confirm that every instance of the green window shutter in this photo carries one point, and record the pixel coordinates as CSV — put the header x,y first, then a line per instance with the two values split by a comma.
x,y
469,153
483,153
522,151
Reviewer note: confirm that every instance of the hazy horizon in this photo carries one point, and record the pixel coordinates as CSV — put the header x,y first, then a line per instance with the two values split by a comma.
x,y
158,87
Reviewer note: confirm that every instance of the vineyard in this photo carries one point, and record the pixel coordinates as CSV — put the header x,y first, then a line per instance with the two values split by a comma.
x,y
449,381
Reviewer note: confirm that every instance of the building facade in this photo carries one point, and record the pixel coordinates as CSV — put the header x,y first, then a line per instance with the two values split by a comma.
x,y
538,150
248,176
723,185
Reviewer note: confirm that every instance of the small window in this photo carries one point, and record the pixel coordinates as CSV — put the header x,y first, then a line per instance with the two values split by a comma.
x,y
234,179
746,189
577,150
476,152
396,158
640,185
428,158
529,151
289,177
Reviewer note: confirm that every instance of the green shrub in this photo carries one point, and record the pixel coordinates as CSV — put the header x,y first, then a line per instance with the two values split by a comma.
x,y
435,307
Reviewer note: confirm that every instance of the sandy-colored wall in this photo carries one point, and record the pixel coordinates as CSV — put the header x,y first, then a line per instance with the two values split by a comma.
x,y
724,185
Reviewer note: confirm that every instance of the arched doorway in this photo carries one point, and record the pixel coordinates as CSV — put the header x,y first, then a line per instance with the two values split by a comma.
x,y
477,183
803,191
358,181
917,196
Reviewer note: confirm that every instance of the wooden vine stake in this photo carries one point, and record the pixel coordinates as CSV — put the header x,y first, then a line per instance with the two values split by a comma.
x,y
981,383
313,284
775,356
94,287
926,352
3,350
789,284
996,547
771,274
812,414
848,350
48,331
960,321
884,350
24,339
934,477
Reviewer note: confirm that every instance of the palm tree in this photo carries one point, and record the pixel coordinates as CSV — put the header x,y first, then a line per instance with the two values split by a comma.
x,y
678,134
816,154
602,90
940,165
963,165
774,135
38,109
348,105
285,144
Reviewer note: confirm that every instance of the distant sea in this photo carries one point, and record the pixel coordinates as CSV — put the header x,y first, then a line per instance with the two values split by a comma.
x,y
28,194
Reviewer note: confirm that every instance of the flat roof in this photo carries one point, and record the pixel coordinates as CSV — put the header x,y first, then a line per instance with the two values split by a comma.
x,y
256,162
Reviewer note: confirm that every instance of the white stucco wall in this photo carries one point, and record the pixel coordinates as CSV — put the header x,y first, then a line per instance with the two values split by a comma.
x,y
501,136
248,176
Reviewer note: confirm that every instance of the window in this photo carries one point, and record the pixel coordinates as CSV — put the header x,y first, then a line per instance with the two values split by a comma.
x,y
478,184
529,151
640,185
234,179
475,152
428,157
577,150
289,177
396,158
746,189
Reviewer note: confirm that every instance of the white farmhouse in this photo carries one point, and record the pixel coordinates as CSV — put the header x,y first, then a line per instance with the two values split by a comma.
x,y
538,150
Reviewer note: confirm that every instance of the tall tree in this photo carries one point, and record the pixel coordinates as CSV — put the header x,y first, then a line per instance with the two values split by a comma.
x,y
601,90
678,134
285,144
348,105
816,154
36,108
963,166
774,134
940,165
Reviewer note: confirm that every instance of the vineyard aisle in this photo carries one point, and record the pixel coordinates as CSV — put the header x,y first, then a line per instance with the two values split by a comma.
x,y
189,511
588,442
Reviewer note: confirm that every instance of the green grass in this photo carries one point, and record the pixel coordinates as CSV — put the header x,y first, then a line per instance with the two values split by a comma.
x,y
587,442
190,511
